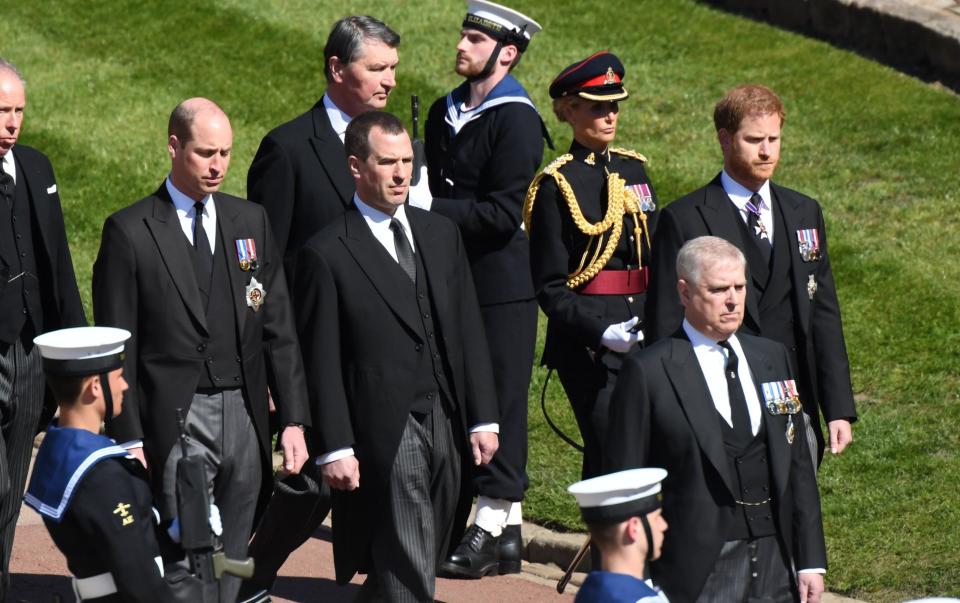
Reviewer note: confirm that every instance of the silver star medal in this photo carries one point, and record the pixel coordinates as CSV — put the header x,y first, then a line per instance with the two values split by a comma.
x,y
760,229
811,286
255,294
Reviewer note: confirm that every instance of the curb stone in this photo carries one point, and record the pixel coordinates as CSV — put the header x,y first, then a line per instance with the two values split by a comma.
x,y
920,36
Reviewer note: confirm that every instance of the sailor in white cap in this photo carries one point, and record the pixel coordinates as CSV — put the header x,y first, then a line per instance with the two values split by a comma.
x,y
484,144
623,512
93,496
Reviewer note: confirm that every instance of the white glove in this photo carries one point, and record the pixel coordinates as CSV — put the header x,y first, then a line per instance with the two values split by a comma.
x,y
216,526
620,338
419,195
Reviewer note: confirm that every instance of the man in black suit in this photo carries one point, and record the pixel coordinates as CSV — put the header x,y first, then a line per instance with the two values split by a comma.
x,y
484,143
38,293
195,276
299,173
398,369
720,412
793,298
300,176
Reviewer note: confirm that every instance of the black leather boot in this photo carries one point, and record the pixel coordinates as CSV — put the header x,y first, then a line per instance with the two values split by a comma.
x,y
511,550
475,557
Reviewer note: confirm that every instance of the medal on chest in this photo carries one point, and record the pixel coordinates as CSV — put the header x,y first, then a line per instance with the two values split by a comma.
x,y
247,255
256,294
808,242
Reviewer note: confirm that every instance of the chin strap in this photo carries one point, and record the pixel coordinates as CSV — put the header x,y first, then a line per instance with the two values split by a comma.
x,y
107,399
649,535
491,62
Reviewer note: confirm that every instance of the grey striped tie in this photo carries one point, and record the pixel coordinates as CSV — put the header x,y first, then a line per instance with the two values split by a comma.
x,y
404,251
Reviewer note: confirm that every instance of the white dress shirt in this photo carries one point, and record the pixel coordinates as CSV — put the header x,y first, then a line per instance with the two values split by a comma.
x,y
740,194
338,119
379,224
9,165
187,214
713,362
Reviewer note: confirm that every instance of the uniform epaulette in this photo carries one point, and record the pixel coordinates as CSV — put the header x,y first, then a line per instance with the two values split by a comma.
x,y
557,163
628,153
550,170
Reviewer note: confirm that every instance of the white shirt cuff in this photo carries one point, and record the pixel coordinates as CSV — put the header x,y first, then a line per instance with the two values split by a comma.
x,y
813,570
131,444
335,455
491,427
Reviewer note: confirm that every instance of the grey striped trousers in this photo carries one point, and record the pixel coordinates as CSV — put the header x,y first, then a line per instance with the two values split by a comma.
x,y
22,389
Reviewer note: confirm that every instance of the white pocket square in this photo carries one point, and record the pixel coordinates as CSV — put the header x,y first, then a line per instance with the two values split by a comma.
x,y
52,189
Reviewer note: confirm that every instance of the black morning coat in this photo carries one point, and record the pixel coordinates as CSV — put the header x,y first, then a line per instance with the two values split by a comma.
x,y
300,176
57,283
662,415
824,371
357,323
143,281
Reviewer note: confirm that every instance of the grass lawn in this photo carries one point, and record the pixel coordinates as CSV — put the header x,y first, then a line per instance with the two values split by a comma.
x,y
873,145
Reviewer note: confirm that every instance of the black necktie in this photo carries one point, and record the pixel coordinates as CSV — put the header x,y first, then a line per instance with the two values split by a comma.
x,y
755,226
203,257
738,402
404,252
6,187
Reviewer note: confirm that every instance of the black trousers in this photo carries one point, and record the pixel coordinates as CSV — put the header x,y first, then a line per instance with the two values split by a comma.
x,y
511,331
589,380
22,389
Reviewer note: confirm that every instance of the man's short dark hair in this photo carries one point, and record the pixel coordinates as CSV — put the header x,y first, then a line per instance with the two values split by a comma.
x,y
348,35
65,390
357,138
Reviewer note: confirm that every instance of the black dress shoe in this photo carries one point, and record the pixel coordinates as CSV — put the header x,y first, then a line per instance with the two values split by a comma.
x,y
475,557
510,550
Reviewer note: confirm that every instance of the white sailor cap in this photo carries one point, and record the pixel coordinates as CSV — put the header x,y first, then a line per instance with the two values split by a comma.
x,y
501,23
81,351
616,497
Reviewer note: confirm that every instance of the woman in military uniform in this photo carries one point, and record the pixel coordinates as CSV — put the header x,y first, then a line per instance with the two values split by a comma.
x,y
590,217
93,496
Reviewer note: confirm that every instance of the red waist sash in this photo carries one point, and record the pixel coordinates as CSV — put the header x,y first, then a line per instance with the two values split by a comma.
x,y
617,282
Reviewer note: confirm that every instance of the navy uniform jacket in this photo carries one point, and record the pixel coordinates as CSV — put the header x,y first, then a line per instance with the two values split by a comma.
x,y
478,175
608,587
557,246
106,522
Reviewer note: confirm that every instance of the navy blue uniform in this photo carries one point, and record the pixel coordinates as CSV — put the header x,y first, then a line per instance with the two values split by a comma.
x,y
96,503
608,587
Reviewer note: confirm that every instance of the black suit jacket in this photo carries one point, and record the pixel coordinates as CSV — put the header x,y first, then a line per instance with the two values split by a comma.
x,y
358,327
824,370
662,415
61,303
300,176
143,281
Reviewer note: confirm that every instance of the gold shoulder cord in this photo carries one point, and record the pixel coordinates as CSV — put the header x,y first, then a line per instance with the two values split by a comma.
x,y
619,201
